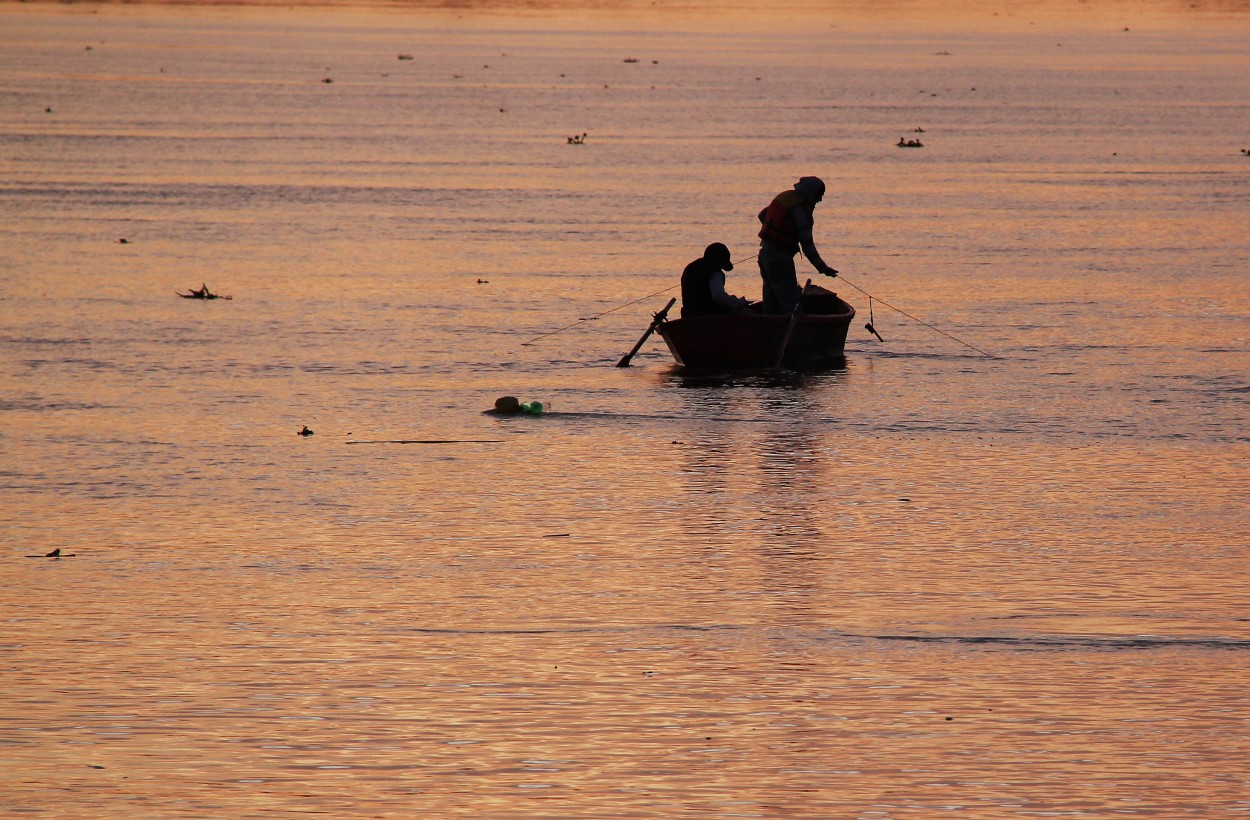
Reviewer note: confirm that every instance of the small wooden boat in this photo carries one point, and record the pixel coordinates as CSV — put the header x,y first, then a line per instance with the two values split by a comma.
x,y
814,337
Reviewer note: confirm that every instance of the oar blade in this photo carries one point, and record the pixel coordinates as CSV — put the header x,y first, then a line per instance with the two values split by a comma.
x,y
659,318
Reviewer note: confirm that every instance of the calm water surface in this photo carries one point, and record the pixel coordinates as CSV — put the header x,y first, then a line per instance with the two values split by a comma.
x,y
929,582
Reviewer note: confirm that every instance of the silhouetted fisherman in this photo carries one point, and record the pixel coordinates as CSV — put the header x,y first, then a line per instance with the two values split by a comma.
x,y
703,285
787,225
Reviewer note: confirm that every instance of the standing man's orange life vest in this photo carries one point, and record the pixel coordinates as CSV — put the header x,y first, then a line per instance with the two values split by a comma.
x,y
778,229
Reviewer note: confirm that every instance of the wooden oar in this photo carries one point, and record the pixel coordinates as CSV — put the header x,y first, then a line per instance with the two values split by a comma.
x,y
794,318
659,318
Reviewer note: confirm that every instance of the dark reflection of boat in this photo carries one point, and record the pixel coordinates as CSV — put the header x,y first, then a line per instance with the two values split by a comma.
x,y
813,338
688,378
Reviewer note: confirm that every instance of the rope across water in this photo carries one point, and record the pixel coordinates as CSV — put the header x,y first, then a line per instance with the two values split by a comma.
x,y
839,276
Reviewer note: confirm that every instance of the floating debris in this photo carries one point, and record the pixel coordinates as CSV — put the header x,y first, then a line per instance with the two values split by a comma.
x,y
404,57
202,293
511,406
304,431
575,140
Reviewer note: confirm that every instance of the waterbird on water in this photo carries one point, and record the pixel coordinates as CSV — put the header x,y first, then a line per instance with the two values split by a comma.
x,y
202,293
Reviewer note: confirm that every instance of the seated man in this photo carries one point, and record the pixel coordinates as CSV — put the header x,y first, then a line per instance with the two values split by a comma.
x,y
703,285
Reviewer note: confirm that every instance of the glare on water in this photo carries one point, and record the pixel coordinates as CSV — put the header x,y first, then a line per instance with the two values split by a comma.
x,y
928,581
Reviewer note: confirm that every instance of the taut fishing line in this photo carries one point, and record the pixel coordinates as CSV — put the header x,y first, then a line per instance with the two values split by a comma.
x,y
613,310
871,298
597,315
871,326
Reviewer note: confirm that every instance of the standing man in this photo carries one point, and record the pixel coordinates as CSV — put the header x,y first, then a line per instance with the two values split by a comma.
x,y
787,227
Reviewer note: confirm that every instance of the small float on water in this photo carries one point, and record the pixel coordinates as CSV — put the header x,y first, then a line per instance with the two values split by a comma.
x,y
813,337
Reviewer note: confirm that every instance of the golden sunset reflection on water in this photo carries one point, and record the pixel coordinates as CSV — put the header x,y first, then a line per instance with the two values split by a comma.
x,y
992,566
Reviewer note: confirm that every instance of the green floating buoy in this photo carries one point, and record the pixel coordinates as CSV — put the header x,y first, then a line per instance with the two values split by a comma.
x,y
509,405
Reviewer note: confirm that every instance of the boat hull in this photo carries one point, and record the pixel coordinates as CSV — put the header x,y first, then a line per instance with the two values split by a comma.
x,y
731,342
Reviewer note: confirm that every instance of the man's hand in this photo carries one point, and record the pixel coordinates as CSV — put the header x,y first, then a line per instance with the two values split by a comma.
x,y
830,272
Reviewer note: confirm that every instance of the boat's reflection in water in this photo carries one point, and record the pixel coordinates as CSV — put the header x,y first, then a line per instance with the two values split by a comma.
x,y
834,371
761,452
793,398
